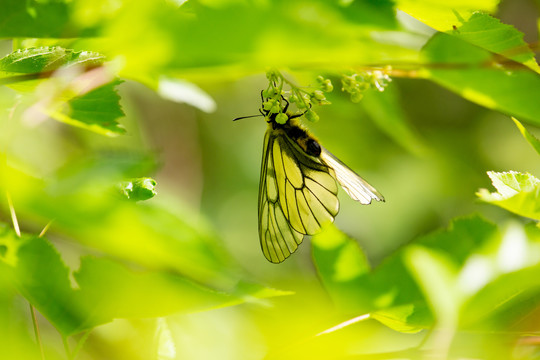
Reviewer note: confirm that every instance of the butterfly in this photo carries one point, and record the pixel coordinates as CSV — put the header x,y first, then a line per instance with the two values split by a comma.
x,y
298,186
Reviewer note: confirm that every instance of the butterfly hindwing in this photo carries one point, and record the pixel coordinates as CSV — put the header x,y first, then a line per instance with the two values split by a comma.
x,y
297,194
356,187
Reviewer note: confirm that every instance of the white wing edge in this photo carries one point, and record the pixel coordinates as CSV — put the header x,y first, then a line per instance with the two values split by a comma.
x,y
356,187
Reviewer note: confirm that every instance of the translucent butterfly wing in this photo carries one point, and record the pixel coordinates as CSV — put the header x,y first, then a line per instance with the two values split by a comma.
x,y
297,194
356,187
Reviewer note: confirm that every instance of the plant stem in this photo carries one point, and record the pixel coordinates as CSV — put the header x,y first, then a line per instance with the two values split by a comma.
x,y
80,344
36,331
42,233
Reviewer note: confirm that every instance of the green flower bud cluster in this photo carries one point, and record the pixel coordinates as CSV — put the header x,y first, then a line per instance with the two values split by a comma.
x,y
303,99
325,84
357,84
273,101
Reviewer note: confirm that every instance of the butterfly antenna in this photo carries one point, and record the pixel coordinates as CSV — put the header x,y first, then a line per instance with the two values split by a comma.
x,y
246,117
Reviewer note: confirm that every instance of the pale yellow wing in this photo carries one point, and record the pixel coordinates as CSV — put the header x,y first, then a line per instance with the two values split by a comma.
x,y
357,188
297,194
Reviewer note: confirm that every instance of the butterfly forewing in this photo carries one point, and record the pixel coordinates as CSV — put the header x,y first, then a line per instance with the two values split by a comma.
x,y
297,194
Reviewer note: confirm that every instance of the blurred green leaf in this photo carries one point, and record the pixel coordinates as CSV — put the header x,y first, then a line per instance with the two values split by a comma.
x,y
443,15
35,60
533,140
391,292
157,235
9,245
388,293
436,275
105,289
468,71
242,38
505,291
37,19
165,342
138,189
516,192
341,264
43,279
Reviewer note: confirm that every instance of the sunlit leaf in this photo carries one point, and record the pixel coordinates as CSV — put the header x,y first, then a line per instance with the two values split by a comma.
x,y
466,70
504,290
443,15
437,278
341,264
533,140
516,192
394,293
491,34
35,60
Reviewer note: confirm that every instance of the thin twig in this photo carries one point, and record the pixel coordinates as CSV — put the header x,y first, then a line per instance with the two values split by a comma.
x,y
13,215
42,233
345,324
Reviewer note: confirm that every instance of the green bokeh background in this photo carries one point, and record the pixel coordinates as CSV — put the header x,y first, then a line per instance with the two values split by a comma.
x,y
428,164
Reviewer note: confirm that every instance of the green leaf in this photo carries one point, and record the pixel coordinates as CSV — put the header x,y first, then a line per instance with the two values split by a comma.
x,y
341,264
395,292
490,34
443,15
9,245
466,70
138,189
35,60
158,234
533,140
43,279
437,277
86,99
506,291
105,289
243,37
112,290
97,110
516,192
388,293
